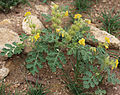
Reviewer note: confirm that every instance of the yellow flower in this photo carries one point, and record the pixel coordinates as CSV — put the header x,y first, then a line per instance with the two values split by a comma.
x,y
107,40
106,46
82,42
57,30
55,6
93,49
112,67
66,13
116,62
62,34
88,21
77,16
27,13
32,40
37,36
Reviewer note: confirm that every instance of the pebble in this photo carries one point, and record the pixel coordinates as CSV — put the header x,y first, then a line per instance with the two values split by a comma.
x,y
4,72
115,88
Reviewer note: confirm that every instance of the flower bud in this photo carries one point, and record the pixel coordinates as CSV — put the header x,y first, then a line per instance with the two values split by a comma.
x,y
55,6
33,31
38,31
68,37
53,19
54,25
30,25
59,21
53,12
58,15
33,25
72,33
74,27
83,32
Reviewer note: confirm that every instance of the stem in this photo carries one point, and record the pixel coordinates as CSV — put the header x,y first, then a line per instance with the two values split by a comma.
x,y
76,69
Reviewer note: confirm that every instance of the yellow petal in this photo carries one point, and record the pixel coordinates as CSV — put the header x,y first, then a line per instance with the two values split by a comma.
x,y
88,21
82,42
37,36
77,16
62,34
57,30
116,62
27,13
107,39
106,46
66,13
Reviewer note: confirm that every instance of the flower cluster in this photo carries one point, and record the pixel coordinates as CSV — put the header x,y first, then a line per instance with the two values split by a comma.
x,y
82,42
79,23
107,42
35,33
115,64
57,16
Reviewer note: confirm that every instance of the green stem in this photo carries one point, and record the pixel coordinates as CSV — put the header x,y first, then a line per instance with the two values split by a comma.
x,y
76,69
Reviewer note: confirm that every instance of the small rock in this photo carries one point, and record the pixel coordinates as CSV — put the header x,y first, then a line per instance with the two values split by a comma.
x,y
115,88
44,9
7,36
34,20
4,72
5,22
104,1
2,62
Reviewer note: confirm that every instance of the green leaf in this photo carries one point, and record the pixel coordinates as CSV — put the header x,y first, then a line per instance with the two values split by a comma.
x,y
5,50
52,58
47,17
28,66
88,73
2,53
92,84
14,43
86,86
44,1
95,81
85,78
85,82
8,45
10,54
